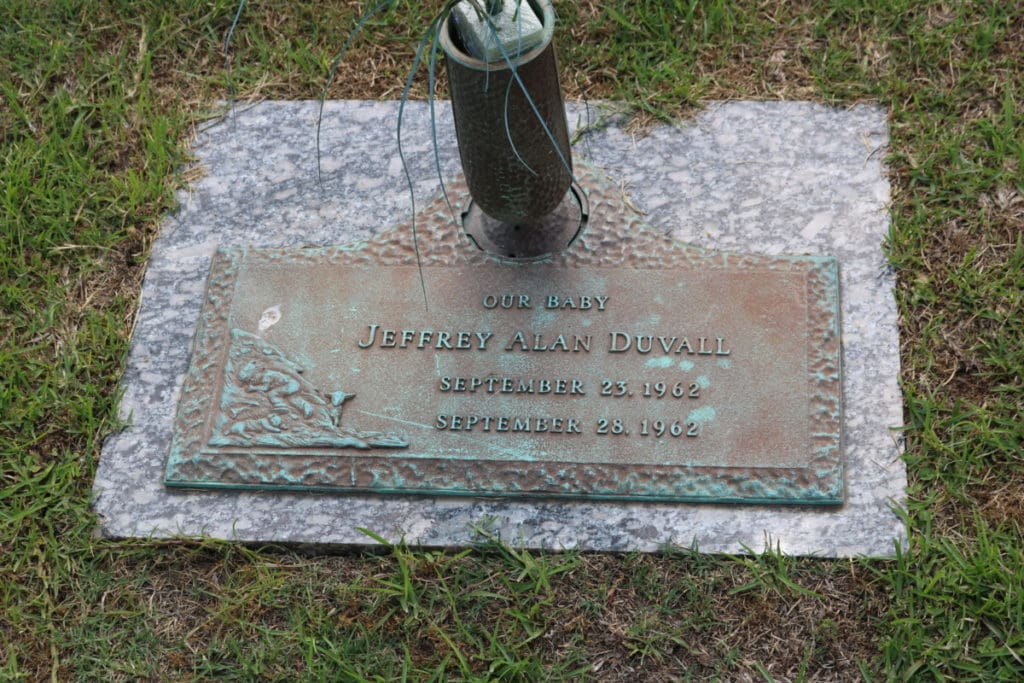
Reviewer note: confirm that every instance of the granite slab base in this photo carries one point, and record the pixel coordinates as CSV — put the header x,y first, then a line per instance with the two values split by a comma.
x,y
769,178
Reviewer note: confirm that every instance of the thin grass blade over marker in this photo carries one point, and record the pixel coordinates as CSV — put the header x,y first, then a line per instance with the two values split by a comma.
x,y
227,53
433,119
533,105
417,59
508,131
508,88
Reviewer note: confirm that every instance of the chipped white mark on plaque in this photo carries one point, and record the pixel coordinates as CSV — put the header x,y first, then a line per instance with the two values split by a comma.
x,y
270,317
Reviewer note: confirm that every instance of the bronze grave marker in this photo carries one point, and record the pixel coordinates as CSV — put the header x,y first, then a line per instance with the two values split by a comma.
x,y
627,367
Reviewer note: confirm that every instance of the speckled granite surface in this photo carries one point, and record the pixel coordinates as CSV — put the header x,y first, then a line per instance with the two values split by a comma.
x,y
759,177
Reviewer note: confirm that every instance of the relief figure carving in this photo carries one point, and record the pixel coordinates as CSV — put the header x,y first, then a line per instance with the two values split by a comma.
x,y
266,401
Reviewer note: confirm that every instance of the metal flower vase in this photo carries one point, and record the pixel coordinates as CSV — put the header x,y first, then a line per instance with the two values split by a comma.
x,y
514,148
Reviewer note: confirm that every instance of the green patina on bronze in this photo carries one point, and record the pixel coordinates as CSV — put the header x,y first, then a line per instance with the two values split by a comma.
x,y
627,366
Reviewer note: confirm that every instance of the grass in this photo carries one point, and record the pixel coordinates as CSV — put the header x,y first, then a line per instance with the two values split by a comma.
x,y
97,106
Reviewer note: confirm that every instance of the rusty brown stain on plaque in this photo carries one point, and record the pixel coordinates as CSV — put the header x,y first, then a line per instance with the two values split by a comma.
x,y
627,367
